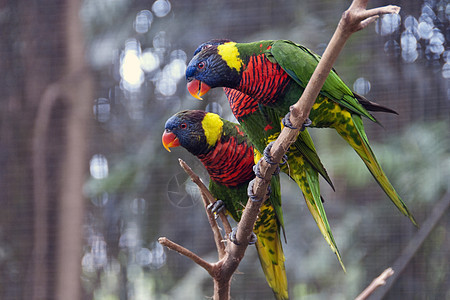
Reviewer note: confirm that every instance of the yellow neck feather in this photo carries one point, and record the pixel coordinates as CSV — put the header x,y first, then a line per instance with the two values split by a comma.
x,y
212,125
230,54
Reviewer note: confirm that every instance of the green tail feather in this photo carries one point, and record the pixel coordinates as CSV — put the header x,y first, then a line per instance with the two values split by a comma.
x,y
270,251
354,134
307,178
308,182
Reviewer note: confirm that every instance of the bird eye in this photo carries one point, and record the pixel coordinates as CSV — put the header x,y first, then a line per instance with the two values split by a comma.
x,y
201,65
183,126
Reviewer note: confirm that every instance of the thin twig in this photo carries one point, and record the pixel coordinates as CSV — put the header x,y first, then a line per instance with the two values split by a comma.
x,y
203,189
206,197
218,238
376,283
189,254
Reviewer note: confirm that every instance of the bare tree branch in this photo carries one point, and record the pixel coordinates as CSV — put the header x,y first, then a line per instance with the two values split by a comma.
x,y
377,282
189,254
218,238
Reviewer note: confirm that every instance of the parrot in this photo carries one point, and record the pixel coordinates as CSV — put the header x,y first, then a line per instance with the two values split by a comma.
x,y
228,156
274,74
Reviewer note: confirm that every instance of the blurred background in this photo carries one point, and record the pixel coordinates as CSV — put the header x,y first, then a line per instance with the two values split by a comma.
x,y
86,187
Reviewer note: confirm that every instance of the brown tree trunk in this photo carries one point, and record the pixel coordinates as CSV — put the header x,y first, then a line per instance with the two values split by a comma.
x,y
53,97
78,91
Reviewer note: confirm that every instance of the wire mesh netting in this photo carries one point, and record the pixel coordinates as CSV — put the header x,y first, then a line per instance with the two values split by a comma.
x,y
134,55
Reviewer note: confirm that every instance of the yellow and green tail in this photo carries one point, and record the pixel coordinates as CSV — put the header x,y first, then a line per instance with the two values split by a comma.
x,y
270,251
352,131
308,180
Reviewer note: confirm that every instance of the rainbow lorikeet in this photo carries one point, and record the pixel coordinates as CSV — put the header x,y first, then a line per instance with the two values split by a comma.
x,y
228,157
274,74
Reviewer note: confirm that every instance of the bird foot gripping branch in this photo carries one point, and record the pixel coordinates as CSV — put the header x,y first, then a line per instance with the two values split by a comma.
x,y
252,195
233,239
257,170
268,158
216,207
287,122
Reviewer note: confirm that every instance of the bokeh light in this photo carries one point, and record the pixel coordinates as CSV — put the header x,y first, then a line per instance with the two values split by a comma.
x,y
388,24
437,42
409,46
161,8
149,61
361,86
130,237
143,21
130,68
425,30
98,166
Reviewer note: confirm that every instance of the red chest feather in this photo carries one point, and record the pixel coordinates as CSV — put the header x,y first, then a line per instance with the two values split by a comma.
x,y
230,163
263,80
240,103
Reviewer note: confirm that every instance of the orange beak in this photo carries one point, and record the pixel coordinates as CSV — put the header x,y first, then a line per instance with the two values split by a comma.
x,y
170,140
197,88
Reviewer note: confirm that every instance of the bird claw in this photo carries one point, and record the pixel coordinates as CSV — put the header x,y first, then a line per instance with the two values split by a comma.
x,y
253,239
250,193
233,239
307,123
258,172
268,158
287,122
216,207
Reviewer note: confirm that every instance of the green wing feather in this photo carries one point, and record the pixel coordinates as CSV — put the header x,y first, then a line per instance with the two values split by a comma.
x,y
344,115
302,67
366,153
